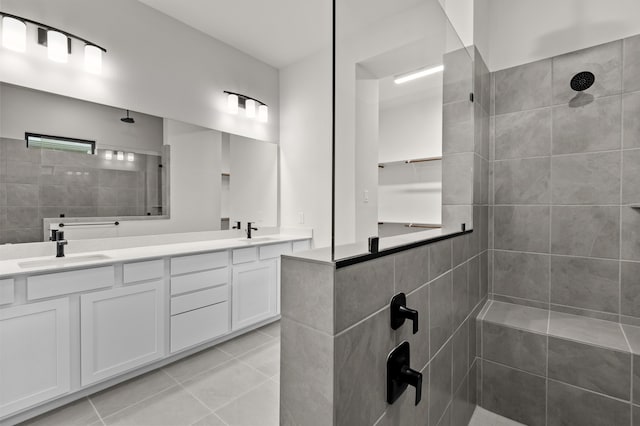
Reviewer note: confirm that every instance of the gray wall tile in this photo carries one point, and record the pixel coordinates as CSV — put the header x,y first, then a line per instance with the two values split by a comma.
x,y
306,374
569,405
524,275
631,176
598,369
516,316
307,293
512,95
589,128
515,348
523,134
475,282
630,288
360,351
636,380
22,195
585,283
412,269
522,228
590,313
630,234
460,351
440,258
524,181
630,122
457,78
460,294
457,172
586,179
440,387
631,63
440,312
605,61
457,126
514,394
362,289
585,231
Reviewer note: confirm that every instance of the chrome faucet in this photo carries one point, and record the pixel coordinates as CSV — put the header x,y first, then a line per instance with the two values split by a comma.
x,y
249,229
58,237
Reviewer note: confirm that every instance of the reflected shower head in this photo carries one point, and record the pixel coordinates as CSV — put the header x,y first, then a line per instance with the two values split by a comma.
x,y
128,119
582,81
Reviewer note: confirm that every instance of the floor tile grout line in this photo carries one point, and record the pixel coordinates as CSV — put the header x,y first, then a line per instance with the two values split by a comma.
x,y
139,402
227,361
180,385
234,399
96,410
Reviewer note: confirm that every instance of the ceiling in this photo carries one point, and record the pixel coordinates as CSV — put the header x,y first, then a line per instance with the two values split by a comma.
x,y
278,32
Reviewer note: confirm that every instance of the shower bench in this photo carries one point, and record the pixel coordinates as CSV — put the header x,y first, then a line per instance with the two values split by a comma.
x,y
541,367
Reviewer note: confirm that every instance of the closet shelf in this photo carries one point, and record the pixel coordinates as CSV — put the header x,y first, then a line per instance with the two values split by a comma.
x,y
414,225
411,161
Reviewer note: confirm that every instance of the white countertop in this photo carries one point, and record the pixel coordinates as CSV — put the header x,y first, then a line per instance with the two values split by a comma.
x,y
72,261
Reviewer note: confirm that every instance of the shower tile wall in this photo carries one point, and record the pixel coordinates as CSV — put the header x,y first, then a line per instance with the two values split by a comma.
x,y
565,172
35,184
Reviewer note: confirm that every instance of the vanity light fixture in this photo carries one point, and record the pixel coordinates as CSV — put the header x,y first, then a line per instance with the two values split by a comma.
x,y
57,41
108,154
417,74
120,155
130,156
14,34
237,101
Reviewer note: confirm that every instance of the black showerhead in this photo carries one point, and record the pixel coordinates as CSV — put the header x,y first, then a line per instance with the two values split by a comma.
x,y
582,81
128,119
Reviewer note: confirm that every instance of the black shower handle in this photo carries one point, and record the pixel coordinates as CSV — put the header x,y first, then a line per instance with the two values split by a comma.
x,y
413,378
411,314
400,312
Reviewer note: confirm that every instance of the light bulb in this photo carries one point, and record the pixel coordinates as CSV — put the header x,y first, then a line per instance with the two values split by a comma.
x,y
250,108
120,155
14,34
57,46
232,103
130,156
263,113
108,155
92,59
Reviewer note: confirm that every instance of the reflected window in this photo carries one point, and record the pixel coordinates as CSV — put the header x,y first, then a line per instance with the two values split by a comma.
x,y
59,143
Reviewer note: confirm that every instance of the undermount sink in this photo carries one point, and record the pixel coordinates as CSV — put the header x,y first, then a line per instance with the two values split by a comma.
x,y
260,239
62,261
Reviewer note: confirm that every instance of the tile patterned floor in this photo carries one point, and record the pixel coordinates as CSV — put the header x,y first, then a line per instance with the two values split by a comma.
x,y
232,384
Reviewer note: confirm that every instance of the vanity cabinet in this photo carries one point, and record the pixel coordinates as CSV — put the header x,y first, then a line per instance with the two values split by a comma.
x,y
34,354
254,292
121,328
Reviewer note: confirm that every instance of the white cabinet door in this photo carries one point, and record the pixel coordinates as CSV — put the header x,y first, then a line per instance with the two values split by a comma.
x,y
121,329
34,354
254,293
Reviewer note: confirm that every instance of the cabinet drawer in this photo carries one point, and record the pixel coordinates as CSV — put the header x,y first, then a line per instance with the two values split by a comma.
x,y
198,280
199,299
274,250
199,262
49,285
301,246
198,326
249,254
6,292
143,271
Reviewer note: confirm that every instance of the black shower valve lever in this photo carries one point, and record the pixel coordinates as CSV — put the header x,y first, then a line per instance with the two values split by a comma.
x,y
400,312
400,375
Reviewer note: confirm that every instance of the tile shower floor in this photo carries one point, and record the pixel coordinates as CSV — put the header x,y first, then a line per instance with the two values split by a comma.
x,y
234,383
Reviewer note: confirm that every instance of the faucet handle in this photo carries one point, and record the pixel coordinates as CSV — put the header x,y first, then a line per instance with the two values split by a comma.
x,y
54,235
413,378
400,312
238,225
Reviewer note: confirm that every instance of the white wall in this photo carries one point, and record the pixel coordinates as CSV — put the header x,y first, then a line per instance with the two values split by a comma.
x,y
461,16
305,146
523,32
154,64
412,130
25,110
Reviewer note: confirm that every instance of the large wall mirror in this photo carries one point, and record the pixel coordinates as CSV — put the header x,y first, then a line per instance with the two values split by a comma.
x,y
89,166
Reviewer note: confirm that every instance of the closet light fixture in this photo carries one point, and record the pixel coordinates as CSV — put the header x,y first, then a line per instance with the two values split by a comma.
x,y
120,155
237,101
108,155
130,156
57,41
413,75
14,34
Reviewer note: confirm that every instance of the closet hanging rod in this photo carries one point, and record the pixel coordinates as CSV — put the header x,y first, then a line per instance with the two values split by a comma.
x,y
62,225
